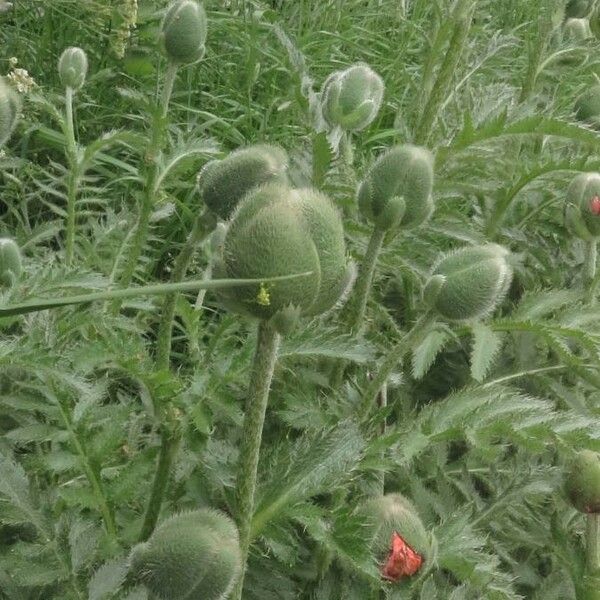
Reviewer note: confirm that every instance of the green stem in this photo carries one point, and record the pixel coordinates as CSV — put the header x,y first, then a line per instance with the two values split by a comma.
x,y
592,538
256,408
151,188
591,256
394,356
73,178
462,17
182,262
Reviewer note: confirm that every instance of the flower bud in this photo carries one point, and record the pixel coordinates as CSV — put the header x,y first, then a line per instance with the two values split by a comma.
x,y
397,188
582,210
587,106
577,30
9,111
72,68
10,263
469,283
277,231
578,9
399,541
583,482
183,32
223,183
191,555
352,98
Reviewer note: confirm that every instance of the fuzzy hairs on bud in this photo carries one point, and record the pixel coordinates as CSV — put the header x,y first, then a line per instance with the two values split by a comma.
x,y
469,283
582,209
278,231
223,183
183,32
73,68
397,190
10,263
352,98
9,110
582,482
190,555
587,106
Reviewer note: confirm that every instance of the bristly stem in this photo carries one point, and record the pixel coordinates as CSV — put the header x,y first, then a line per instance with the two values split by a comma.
x,y
73,177
592,539
265,358
591,258
151,188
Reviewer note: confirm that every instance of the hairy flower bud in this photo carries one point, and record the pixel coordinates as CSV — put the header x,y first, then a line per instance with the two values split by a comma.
x,y
577,30
578,9
223,183
10,262
9,111
587,106
397,188
582,209
469,283
183,32
72,68
278,231
583,482
399,541
352,98
191,555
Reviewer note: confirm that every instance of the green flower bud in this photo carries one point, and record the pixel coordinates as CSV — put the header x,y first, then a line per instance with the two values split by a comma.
x,y
582,210
578,9
587,106
183,32
400,543
223,183
583,482
352,98
10,263
577,30
469,283
9,111
72,68
397,188
277,231
191,555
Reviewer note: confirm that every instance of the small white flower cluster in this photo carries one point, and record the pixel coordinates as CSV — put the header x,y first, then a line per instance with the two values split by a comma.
x,y
127,13
20,79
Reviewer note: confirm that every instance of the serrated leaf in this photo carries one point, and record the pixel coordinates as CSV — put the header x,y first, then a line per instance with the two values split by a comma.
x,y
83,540
486,344
425,353
108,579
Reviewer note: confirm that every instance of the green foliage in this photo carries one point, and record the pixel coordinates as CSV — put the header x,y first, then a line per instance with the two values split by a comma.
x,y
9,111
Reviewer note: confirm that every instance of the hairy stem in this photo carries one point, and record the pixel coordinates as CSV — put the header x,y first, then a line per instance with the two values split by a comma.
x,y
591,256
394,356
256,407
592,539
73,177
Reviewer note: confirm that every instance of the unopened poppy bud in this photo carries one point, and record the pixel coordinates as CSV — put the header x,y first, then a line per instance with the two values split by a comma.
x,y
397,189
587,106
578,9
352,98
223,183
72,68
399,541
583,482
10,263
183,32
469,283
577,30
191,555
582,209
277,231
9,111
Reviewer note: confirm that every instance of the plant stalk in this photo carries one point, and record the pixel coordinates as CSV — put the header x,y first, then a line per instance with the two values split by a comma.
x,y
265,358
73,178
592,538
591,257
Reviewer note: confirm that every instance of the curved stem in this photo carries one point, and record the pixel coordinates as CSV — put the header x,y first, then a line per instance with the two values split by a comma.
x,y
256,408
394,356
73,178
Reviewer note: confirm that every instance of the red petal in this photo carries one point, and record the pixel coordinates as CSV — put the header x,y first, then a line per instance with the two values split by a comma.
x,y
595,205
402,560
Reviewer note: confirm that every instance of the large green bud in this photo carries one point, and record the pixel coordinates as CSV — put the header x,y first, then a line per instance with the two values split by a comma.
x,y
72,68
183,32
587,106
9,111
223,183
10,263
352,98
577,30
193,555
397,188
578,9
399,541
469,283
582,209
583,482
278,231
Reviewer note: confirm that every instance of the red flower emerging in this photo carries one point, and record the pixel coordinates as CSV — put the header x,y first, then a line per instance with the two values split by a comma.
x,y
595,205
402,560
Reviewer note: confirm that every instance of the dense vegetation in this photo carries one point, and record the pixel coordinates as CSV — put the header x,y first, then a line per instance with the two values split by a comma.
x,y
298,299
